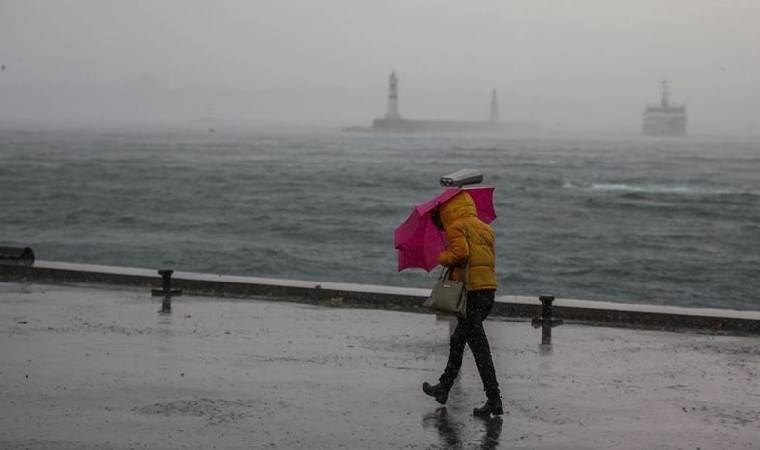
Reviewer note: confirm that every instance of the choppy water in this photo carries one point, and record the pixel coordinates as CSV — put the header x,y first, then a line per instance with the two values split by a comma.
x,y
658,221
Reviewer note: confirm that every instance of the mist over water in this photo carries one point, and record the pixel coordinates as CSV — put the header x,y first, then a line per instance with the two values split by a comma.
x,y
620,219
587,66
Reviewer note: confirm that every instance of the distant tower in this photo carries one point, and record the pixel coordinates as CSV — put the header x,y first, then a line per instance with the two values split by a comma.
x,y
393,113
493,115
665,98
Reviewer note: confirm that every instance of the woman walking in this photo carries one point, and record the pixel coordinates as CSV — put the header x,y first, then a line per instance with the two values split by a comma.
x,y
470,247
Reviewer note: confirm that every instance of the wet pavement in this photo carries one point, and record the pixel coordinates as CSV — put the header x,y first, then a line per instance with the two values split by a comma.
x,y
94,367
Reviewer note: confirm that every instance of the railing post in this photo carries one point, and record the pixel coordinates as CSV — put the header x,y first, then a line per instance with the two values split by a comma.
x,y
546,322
166,290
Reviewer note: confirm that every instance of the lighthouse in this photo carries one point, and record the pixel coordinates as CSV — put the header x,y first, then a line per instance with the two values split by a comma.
x,y
493,115
393,113
393,122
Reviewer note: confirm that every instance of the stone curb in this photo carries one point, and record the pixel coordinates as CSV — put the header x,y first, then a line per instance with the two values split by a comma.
x,y
624,315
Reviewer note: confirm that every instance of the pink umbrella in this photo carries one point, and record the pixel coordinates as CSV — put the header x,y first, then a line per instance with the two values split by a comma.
x,y
419,242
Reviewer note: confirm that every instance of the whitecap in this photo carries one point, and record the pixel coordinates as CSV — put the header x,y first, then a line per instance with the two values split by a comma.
x,y
665,189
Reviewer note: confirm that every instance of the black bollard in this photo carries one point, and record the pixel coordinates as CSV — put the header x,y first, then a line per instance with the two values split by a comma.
x,y
166,291
546,316
546,322
17,256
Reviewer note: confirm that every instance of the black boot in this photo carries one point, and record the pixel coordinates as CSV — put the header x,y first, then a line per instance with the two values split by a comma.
x,y
439,392
491,406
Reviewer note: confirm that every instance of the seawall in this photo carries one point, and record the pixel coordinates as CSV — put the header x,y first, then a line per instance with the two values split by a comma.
x,y
624,315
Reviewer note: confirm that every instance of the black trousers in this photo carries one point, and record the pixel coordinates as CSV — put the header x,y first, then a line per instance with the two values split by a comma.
x,y
470,331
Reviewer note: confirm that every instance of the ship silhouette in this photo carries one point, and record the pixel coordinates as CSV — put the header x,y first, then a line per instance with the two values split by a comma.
x,y
665,118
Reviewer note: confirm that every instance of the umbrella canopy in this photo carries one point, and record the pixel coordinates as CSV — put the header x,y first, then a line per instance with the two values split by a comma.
x,y
419,241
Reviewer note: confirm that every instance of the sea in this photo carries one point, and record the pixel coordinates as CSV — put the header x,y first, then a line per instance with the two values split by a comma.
x,y
613,218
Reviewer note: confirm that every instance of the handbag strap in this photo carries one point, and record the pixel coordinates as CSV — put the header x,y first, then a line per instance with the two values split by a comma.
x,y
446,271
469,255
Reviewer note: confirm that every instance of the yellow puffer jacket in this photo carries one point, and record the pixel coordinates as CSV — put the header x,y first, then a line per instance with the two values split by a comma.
x,y
468,237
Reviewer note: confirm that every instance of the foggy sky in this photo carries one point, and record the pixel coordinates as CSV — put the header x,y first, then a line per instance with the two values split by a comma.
x,y
584,64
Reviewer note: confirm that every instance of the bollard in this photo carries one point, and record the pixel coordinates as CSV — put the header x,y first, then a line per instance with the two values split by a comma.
x,y
546,322
166,290
17,256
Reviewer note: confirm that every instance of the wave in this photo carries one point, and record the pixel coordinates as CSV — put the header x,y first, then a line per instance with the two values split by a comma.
x,y
658,189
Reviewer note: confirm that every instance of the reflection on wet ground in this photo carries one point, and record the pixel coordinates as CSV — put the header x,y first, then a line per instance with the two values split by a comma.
x,y
450,430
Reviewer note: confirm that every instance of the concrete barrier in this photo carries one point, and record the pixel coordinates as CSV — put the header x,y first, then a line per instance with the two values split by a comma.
x,y
389,297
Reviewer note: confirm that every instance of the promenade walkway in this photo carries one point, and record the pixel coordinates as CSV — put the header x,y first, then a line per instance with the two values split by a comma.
x,y
97,367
